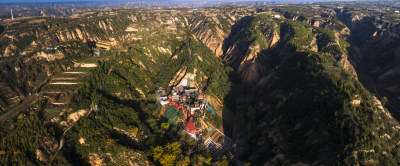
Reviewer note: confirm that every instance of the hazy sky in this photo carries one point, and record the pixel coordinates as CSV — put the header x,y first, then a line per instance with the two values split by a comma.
x,y
41,1
36,1
33,1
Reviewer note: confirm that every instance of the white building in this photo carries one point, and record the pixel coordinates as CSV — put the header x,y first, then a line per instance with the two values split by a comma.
x,y
163,100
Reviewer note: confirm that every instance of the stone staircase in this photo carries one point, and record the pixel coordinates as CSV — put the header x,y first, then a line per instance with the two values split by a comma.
x,y
217,143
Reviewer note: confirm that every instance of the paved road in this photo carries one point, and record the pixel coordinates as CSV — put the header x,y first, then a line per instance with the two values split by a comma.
x,y
14,112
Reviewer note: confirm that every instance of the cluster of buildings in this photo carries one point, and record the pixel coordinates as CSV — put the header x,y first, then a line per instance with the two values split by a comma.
x,y
189,101
182,97
193,106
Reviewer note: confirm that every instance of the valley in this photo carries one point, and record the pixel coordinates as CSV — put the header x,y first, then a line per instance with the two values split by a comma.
x,y
314,84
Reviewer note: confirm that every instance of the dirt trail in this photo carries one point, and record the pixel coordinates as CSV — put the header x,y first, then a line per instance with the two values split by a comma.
x,y
64,78
58,103
61,139
64,83
88,65
74,72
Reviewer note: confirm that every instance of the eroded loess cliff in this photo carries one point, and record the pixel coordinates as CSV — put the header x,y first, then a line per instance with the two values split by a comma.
x,y
258,44
301,98
35,49
375,44
213,26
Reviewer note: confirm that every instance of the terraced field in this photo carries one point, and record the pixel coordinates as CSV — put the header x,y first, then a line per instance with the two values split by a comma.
x,y
62,86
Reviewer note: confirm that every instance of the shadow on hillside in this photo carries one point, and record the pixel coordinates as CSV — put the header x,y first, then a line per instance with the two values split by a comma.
x,y
244,94
71,154
1,29
241,111
236,100
91,45
371,60
128,103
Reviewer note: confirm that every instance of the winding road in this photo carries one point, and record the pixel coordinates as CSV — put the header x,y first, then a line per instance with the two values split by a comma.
x,y
61,139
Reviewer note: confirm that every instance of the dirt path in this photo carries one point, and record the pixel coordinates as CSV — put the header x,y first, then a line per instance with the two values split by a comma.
x,y
88,65
61,139
63,78
10,114
64,83
58,103
74,72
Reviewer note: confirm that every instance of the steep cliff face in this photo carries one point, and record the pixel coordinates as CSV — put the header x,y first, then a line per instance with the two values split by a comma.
x,y
34,36
213,26
376,53
213,38
299,79
245,46
314,15
257,44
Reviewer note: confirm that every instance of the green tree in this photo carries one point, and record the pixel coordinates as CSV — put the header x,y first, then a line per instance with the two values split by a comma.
x,y
168,154
165,125
384,100
223,162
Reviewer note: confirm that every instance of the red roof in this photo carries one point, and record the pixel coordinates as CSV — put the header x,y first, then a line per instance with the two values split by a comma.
x,y
190,127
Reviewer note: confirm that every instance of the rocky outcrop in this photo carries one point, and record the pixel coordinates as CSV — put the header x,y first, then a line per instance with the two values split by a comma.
x,y
251,55
76,115
212,38
40,156
178,76
96,159
50,57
